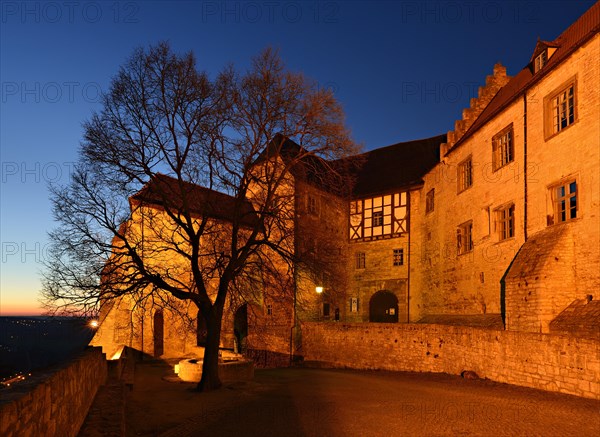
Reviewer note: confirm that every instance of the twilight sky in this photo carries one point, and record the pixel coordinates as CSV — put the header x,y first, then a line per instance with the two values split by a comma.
x,y
403,70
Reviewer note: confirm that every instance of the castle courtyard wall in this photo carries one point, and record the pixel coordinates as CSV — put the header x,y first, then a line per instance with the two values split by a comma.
x,y
549,362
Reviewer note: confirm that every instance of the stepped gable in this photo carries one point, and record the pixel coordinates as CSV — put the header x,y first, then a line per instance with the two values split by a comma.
x,y
485,94
167,192
570,40
400,165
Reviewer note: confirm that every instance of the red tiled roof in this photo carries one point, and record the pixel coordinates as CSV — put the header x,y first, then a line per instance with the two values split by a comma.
x,y
168,192
571,39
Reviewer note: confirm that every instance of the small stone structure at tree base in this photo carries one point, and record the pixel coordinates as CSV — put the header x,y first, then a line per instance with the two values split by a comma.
x,y
232,367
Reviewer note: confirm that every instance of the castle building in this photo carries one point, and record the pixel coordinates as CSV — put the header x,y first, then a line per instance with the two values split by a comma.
x,y
495,224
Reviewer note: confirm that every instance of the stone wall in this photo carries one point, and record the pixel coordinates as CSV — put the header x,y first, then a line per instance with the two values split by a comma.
x,y
55,402
548,362
541,283
443,282
572,154
379,274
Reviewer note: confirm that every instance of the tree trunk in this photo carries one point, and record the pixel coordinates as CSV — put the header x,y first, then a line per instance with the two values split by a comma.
x,y
210,367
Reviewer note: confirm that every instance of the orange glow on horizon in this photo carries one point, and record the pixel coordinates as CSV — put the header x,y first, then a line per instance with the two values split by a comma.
x,y
20,310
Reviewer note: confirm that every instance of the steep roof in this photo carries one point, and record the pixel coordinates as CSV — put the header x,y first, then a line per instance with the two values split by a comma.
x,y
400,165
570,40
308,167
581,318
167,192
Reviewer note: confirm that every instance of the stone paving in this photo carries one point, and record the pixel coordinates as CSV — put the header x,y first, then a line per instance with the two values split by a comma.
x,y
322,402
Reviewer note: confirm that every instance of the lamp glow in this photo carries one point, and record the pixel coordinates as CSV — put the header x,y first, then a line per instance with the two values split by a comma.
x,y
319,289
94,323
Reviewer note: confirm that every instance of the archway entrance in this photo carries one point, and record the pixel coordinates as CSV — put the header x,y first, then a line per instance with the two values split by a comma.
x,y
240,327
159,333
383,307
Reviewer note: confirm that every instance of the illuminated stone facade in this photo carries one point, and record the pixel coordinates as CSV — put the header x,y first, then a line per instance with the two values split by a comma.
x,y
531,197
494,224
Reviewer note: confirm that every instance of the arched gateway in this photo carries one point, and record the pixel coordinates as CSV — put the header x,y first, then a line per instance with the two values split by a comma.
x,y
383,307
240,327
159,332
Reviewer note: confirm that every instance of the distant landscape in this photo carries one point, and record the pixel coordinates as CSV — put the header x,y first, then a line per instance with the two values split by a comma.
x,y
31,343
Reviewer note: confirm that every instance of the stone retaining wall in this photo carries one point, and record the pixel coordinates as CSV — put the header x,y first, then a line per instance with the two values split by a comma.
x,y
55,402
543,361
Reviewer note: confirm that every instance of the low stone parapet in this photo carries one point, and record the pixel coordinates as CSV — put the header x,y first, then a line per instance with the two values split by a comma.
x,y
544,361
53,402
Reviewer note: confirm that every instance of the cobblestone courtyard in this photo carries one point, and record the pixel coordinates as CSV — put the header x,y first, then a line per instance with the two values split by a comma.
x,y
319,402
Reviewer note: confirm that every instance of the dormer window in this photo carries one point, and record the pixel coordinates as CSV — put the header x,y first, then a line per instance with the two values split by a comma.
x,y
541,54
540,61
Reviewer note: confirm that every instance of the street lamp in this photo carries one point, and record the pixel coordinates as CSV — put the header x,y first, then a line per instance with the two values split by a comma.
x,y
319,289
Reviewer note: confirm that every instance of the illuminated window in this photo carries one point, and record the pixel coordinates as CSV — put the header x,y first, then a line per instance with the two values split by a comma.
x,y
540,61
561,109
505,222
464,238
429,201
354,304
360,260
398,257
465,174
503,148
379,217
564,198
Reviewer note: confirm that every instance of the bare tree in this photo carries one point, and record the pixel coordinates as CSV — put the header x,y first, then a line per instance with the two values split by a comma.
x,y
165,130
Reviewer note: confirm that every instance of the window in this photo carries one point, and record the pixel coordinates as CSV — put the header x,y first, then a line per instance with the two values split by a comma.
x,y
398,257
269,309
505,222
326,310
503,148
540,61
379,217
465,174
360,260
561,109
354,304
312,205
564,198
464,238
429,201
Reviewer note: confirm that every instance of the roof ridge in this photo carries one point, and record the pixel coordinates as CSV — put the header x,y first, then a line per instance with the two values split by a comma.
x,y
574,36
